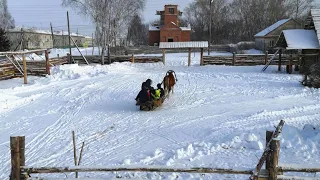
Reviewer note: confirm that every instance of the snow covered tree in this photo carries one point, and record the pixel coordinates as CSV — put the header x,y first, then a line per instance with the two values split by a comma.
x,y
4,42
6,20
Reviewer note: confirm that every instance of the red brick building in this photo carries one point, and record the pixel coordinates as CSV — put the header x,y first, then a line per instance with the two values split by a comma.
x,y
168,30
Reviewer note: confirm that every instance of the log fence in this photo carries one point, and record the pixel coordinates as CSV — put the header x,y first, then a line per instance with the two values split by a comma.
x,y
17,65
270,157
132,58
247,60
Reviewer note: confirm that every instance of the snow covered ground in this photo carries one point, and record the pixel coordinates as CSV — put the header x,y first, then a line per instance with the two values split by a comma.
x,y
217,117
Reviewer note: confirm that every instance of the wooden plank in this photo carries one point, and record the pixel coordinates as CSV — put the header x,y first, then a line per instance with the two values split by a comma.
x,y
135,169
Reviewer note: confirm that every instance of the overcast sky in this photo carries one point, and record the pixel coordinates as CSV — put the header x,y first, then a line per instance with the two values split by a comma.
x,y
39,13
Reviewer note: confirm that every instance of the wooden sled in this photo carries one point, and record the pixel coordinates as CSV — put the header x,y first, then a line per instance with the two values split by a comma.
x,y
151,105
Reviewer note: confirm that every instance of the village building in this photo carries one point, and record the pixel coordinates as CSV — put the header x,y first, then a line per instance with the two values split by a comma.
x,y
168,30
302,45
267,38
29,38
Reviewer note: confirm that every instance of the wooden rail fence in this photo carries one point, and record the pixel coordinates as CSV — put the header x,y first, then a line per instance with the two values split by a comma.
x,y
246,60
12,67
269,157
132,58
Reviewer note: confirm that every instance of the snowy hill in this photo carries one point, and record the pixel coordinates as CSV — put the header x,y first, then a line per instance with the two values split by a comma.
x,y
217,117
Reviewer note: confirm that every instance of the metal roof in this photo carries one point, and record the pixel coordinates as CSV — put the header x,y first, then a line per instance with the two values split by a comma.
x,y
271,28
189,44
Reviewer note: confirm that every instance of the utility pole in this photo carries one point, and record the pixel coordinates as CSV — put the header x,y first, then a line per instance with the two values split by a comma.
x,y
210,24
69,37
52,35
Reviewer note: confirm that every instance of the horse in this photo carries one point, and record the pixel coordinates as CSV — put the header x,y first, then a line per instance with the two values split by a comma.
x,y
169,81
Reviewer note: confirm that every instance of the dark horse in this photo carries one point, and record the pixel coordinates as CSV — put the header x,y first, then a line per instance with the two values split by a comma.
x,y
169,81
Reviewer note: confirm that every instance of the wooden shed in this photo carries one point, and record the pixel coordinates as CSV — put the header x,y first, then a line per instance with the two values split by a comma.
x,y
266,39
301,45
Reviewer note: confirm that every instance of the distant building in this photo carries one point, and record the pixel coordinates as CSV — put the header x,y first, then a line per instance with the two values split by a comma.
x,y
266,39
168,30
29,38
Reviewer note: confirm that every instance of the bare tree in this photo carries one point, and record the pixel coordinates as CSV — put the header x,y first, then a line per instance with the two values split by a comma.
x,y
137,31
6,20
109,16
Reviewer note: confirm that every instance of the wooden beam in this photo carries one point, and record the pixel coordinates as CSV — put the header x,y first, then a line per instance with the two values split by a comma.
x,y
132,58
273,169
47,62
266,57
164,56
189,56
201,57
15,158
74,151
268,139
25,73
298,168
233,58
279,63
22,52
266,151
34,170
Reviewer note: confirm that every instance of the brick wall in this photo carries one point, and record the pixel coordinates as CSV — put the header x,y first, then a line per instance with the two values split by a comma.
x,y
154,37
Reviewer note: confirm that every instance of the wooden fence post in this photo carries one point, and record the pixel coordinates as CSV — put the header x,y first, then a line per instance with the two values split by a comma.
x,y
15,158
132,57
47,62
201,57
233,58
74,151
273,169
25,74
164,56
279,63
266,58
189,56
268,138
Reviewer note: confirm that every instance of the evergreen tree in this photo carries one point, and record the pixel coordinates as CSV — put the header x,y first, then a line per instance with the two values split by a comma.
x,y
4,42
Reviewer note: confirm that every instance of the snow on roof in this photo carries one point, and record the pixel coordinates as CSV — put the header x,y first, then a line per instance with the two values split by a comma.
x,y
271,28
315,13
154,28
301,39
39,31
186,28
190,44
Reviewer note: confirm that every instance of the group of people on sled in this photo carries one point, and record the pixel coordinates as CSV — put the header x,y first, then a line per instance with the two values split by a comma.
x,y
148,94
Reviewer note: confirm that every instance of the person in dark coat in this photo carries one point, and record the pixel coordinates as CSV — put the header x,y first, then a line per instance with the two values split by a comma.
x,y
161,90
148,85
144,95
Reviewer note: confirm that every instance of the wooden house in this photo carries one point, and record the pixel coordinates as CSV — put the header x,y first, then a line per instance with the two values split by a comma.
x,y
266,39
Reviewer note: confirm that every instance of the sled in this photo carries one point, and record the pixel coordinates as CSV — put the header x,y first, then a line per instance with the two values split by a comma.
x,y
150,105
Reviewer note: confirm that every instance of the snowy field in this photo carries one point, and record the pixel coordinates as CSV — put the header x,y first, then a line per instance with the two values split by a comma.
x,y
217,117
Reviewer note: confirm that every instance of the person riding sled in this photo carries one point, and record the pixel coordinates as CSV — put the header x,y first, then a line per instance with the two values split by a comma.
x,y
161,90
144,95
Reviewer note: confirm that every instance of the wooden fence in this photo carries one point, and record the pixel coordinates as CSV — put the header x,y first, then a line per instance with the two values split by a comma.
x,y
247,60
269,157
13,69
132,58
